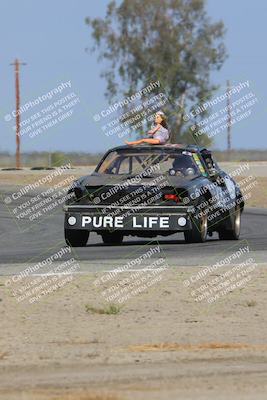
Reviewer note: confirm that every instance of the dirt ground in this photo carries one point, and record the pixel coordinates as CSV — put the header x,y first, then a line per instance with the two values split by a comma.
x,y
161,344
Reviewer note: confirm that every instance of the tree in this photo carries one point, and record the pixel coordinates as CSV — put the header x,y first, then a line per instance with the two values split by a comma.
x,y
172,41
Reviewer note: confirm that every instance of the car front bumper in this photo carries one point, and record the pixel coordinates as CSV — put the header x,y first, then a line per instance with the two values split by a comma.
x,y
125,218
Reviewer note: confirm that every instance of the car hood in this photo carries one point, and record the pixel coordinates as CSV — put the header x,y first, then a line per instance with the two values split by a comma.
x,y
104,180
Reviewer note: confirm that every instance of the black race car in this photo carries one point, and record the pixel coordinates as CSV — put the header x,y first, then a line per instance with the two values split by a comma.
x,y
154,190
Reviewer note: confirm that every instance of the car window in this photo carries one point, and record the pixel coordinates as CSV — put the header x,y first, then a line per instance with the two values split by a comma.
x,y
134,162
123,165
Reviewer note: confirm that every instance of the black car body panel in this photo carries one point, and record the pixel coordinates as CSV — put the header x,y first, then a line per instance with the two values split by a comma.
x,y
133,191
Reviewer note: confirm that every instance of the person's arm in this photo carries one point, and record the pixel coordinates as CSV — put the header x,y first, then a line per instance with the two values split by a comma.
x,y
153,131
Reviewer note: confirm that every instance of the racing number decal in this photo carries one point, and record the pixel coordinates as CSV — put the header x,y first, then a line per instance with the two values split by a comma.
x,y
199,163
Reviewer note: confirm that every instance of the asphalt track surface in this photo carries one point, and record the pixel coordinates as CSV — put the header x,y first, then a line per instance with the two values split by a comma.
x,y
22,244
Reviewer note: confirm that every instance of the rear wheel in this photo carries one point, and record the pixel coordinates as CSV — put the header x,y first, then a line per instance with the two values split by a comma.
x,y
199,231
234,221
76,237
112,237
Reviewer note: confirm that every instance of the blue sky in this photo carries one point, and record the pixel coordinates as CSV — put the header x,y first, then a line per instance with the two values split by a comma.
x,y
51,37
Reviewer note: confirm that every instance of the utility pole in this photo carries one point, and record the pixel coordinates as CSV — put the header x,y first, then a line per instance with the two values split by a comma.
x,y
229,120
49,159
17,64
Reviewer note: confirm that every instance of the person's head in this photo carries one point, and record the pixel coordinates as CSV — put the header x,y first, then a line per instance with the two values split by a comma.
x,y
160,118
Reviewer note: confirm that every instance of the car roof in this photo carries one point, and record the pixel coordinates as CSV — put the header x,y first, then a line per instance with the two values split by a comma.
x,y
191,147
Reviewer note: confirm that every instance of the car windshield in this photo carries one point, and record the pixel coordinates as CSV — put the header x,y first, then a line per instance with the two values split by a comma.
x,y
131,162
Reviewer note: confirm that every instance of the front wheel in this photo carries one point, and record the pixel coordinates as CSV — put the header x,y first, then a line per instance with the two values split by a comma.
x,y
198,233
112,237
76,237
234,220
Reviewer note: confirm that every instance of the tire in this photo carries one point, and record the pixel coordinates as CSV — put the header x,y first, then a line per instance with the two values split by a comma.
x,y
234,221
199,231
76,237
112,237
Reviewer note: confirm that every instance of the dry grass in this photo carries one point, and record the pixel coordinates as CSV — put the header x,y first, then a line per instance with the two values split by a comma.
x,y
3,355
251,303
26,178
61,395
258,193
85,396
194,347
111,309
